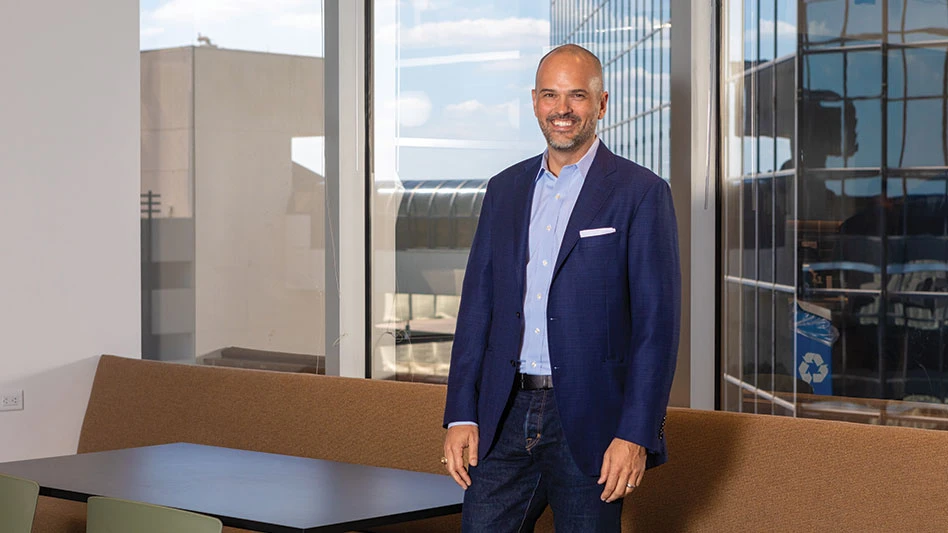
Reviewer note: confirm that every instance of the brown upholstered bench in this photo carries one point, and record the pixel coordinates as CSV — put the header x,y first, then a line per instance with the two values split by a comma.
x,y
727,472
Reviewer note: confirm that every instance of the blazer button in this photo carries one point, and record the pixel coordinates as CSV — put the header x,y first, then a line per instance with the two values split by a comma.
x,y
518,314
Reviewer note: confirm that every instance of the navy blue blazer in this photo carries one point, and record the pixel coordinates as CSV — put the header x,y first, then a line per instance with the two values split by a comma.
x,y
613,310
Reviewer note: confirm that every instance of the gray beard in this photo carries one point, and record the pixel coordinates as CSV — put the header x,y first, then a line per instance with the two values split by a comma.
x,y
572,144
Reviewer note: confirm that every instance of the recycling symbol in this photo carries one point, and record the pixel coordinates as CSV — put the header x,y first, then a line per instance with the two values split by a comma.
x,y
821,372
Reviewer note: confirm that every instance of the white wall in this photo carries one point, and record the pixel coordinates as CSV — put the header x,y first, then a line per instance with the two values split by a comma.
x,y
69,222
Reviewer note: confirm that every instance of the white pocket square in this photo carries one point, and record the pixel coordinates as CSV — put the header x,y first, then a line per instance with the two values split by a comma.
x,y
595,232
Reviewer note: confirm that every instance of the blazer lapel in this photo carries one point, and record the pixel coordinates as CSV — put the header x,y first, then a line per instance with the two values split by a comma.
x,y
596,189
523,198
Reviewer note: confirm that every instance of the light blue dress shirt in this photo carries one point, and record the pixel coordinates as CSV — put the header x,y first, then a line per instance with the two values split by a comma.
x,y
553,201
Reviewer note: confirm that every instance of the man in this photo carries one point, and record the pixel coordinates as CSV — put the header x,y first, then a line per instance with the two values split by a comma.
x,y
568,327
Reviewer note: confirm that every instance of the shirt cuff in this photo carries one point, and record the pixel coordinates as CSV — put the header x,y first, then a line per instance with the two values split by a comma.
x,y
462,423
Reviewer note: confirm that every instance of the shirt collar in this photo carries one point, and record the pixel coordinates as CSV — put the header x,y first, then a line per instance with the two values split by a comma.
x,y
583,165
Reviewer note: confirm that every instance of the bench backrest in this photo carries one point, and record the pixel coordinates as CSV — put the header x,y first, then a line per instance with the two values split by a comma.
x,y
381,423
742,472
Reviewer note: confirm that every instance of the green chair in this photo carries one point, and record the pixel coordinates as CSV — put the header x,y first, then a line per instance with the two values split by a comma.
x,y
112,515
17,504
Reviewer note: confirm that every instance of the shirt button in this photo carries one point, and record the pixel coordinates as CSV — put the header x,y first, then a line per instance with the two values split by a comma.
x,y
537,331
545,262
533,364
539,296
557,197
548,227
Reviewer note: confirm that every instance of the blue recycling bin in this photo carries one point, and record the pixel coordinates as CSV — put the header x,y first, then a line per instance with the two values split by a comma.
x,y
814,356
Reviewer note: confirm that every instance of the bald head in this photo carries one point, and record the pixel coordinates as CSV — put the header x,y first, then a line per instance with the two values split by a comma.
x,y
578,55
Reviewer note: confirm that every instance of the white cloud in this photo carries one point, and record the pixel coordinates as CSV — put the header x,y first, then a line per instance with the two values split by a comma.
x,y
466,108
478,33
475,111
414,109
302,21
151,32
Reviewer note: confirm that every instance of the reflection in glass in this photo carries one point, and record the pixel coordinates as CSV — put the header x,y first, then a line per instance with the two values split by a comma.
x,y
784,117
749,327
784,368
765,122
916,135
732,221
852,151
751,32
916,72
751,117
841,22
786,27
766,380
768,29
765,229
917,20
749,228
840,231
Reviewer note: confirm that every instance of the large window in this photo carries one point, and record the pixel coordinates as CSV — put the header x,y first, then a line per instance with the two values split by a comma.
x,y
835,219
232,183
452,107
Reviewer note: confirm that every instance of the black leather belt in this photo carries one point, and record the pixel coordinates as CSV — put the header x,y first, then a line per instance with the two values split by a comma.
x,y
533,382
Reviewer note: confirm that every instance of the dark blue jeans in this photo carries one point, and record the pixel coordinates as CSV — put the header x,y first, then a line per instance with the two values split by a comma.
x,y
529,468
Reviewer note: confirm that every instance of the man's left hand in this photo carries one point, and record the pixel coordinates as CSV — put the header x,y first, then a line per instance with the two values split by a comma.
x,y
623,464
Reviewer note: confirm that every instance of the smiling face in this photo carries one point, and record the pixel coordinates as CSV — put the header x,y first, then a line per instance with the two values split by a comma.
x,y
568,100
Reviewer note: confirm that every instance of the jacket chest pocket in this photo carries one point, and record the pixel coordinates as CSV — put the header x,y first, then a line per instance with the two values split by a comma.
x,y
599,241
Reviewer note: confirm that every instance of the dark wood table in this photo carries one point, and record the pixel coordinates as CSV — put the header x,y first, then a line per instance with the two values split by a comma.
x,y
245,489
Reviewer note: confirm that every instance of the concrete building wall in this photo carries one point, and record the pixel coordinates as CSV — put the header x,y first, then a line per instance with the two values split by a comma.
x,y
259,263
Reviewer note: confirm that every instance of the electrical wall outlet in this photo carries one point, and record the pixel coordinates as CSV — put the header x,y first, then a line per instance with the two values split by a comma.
x,y
11,400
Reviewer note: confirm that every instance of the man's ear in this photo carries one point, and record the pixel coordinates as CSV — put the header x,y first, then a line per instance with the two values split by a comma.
x,y
602,104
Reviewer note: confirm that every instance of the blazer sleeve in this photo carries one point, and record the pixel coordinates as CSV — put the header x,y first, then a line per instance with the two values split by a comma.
x,y
473,323
655,300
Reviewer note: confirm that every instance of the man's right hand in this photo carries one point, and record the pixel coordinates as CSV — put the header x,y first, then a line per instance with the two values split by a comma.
x,y
458,438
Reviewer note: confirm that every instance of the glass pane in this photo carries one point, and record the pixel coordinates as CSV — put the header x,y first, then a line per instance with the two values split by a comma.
x,y
917,20
785,116
784,367
917,135
854,365
863,74
751,39
768,25
765,120
765,229
749,365
452,107
732,323
839,22
732,221
915,351
732,115
734,25
765,346
786,27
917,72
840,231
840,133
749,227
232,140
917,235
751,117
784,230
